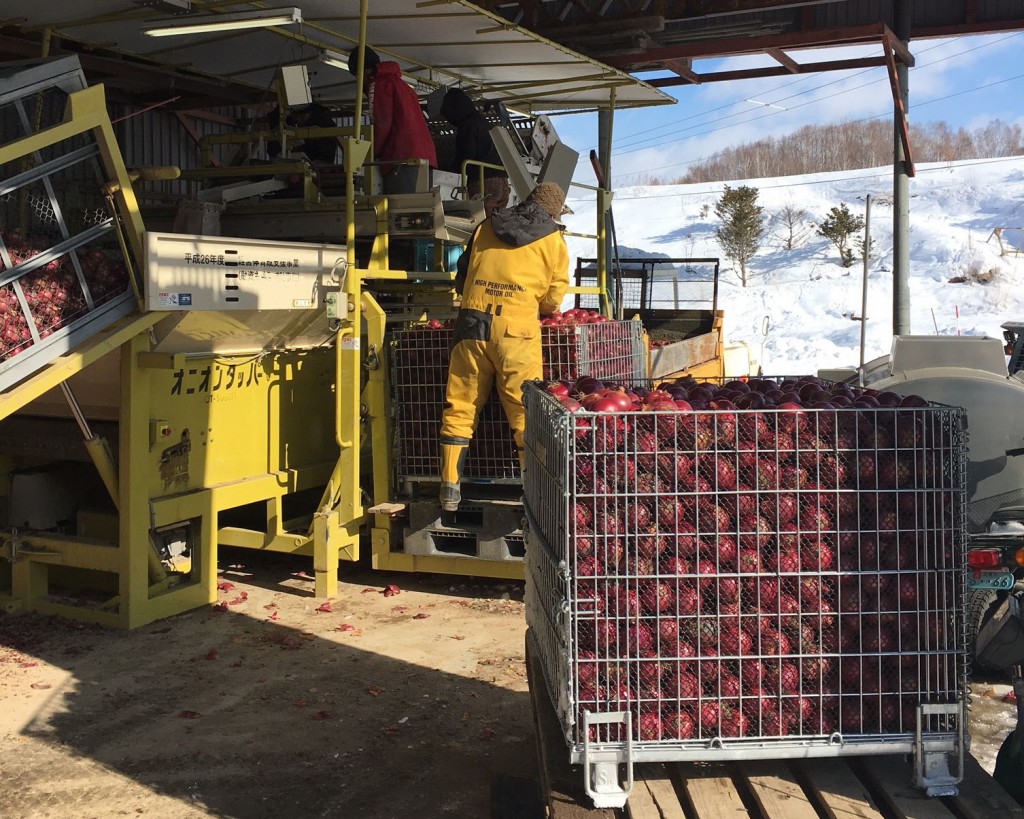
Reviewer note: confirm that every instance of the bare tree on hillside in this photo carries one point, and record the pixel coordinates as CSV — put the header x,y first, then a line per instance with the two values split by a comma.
x,y
851,145
794,228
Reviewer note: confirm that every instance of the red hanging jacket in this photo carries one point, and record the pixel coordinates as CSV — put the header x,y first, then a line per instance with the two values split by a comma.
x,y
399,127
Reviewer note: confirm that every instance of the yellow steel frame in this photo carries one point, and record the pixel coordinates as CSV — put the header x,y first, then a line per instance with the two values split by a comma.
x,y
226,477
144,592
87,113
358,410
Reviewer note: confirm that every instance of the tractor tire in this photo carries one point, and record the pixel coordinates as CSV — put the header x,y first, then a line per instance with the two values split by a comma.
x,y
981,605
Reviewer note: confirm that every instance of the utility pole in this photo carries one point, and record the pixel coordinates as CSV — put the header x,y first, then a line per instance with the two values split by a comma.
x,y
901,187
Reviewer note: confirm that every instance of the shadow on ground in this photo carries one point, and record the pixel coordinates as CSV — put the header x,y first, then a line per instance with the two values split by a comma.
x,y
233,714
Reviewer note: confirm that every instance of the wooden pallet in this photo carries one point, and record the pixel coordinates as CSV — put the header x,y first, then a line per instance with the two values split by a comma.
x,y
868,788
877,787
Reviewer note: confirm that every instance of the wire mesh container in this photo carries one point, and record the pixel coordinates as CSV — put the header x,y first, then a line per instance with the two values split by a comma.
x,y
34,94
419,368
749,583
62,271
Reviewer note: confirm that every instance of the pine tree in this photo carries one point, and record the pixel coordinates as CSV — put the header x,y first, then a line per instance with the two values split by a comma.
x,y
838,227
742,226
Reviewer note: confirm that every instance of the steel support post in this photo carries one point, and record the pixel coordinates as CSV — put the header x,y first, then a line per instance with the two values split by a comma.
x,y
901,187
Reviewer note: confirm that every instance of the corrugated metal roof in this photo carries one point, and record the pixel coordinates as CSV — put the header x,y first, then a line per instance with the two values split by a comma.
x,y
447,43
672,35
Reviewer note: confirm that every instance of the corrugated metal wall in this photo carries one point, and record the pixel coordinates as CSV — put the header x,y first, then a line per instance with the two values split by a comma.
x,y
863,12
925,16
940,14
157,138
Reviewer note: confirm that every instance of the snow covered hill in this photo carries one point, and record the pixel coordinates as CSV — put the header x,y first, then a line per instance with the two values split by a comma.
x,y
806,294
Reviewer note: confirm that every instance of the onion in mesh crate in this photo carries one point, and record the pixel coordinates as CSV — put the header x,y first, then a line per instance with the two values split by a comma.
x,y
52,291
770,558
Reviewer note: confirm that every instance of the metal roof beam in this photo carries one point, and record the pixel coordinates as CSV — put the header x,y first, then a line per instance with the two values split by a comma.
x,y
783,59
558,20
684,68
899,112
773,71
737,46
127,73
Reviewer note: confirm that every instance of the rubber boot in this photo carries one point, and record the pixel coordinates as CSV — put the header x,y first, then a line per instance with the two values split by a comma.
x,y
453,457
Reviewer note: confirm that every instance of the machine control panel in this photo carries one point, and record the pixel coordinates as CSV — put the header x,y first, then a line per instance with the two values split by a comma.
x,y
191,272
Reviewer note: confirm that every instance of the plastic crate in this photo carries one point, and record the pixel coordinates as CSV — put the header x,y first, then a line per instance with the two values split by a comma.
x,y
480,529
656,589
419,375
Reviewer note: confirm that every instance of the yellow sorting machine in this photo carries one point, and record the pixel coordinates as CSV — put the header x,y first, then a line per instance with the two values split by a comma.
x,y
229,389
192,417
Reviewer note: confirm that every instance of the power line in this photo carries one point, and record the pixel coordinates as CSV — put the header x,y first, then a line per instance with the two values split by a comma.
x,y
863,119
793,83
986,44
882,174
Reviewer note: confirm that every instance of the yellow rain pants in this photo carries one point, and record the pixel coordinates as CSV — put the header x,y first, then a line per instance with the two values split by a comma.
x,y
510,356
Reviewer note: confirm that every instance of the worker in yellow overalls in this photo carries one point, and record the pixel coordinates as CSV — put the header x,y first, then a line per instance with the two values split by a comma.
x,y
515,266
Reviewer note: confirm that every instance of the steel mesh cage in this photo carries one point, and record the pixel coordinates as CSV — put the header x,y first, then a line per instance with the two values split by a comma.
x,y
656,286
634,289
33,97
759,583
62,272
419,367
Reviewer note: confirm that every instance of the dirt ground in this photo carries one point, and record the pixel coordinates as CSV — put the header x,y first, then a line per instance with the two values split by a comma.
x,y
270,704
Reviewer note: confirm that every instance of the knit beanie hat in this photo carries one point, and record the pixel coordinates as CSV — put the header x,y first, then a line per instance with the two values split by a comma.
x,y
551,197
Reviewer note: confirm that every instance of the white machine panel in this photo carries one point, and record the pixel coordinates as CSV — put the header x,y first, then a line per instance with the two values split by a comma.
x,y
189,272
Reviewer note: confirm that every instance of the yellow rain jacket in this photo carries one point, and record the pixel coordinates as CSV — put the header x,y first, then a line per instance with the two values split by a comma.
x,y
516,266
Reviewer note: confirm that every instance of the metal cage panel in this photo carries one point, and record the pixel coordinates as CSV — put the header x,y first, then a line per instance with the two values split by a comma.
x,y
62,271
419,366
759,583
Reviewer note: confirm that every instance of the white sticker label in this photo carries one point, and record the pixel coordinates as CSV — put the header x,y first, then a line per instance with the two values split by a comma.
x,y
167,299
350,343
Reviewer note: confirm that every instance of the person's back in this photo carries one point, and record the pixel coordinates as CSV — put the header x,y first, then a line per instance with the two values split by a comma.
x,y
513,254
517,265
400,130
473,143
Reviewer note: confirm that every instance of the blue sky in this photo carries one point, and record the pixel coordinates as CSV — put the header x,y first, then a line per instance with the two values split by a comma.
x,y
965,82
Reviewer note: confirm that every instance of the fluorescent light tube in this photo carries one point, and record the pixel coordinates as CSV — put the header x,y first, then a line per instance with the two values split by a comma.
x,y
205,23
335,58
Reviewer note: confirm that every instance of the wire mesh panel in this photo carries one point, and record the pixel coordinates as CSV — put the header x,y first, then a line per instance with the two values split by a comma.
x,y
656,286
34,94
758,583
62,272
634,286
607,350
419,367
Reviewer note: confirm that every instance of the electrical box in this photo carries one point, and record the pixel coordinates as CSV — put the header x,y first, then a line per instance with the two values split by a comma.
x,y
295,85
191,272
